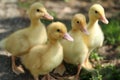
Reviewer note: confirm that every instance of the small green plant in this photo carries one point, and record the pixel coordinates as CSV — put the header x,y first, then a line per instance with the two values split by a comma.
x,y
96,76
96,56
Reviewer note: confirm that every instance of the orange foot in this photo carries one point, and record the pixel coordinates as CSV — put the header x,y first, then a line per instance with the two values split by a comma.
x,y
18,69
88,66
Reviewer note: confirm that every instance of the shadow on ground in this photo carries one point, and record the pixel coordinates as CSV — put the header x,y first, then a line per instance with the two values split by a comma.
x,y
10,25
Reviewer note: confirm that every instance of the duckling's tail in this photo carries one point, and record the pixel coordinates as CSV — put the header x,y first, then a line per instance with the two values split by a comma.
x,y
2,48
2,44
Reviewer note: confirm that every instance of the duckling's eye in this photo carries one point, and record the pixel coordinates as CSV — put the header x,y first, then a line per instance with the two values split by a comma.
x,y
78,22
96,11
58,30
37,10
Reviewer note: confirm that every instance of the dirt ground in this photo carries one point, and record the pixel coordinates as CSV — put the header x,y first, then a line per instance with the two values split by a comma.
x,y
13,17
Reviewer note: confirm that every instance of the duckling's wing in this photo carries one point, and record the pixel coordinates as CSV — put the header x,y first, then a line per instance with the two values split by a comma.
x,y
16,43
33,56
38,49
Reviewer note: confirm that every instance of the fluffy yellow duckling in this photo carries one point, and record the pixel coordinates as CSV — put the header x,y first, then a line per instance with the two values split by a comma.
x,y
22,40
96,37
75,52
42,59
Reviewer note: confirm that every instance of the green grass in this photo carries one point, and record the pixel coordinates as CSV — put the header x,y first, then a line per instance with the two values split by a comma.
x,y
104,73
110,72
112,32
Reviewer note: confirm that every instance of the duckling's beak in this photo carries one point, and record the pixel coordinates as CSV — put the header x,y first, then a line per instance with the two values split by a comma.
x,y
84,30
68,37
104,20
48,16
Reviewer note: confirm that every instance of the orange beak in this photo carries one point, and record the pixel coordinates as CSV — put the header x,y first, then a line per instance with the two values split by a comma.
x,y
68,37
48,16
84,30
104,20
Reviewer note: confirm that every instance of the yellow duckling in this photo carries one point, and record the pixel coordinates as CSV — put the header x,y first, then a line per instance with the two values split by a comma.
x,y
42,59
22,40
76,52
96,37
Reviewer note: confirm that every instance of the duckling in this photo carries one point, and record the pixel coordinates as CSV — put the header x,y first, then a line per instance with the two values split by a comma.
x,y
43,58
75,52
96,36
22,40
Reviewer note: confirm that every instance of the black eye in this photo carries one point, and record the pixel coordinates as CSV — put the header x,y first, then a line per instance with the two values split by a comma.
x,y
96,11
58,30
38,10
78,22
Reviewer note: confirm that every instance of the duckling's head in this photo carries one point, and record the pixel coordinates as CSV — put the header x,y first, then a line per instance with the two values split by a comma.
x,y
38,11
58,30
79,23
97,12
